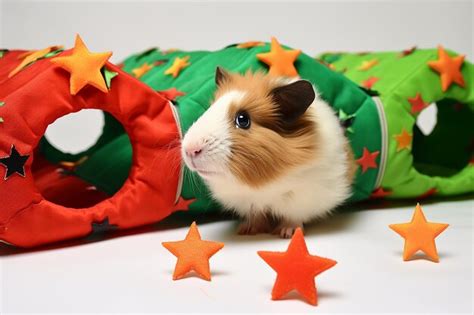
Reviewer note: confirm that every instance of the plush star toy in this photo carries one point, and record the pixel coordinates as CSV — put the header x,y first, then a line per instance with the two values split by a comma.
x,y
296,269
193,253
84,67
280,61
419,234
449,68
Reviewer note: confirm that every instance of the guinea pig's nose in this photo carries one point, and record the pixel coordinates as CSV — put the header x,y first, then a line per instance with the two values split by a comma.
x,y
193,150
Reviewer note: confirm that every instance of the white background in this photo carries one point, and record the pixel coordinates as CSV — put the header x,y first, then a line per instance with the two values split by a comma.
x,y
133,273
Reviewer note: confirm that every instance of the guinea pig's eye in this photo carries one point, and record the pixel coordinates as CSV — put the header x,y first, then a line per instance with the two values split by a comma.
x,y
242,120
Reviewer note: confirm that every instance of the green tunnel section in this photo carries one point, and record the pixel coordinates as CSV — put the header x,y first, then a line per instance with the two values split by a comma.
x,y
108,162
441,162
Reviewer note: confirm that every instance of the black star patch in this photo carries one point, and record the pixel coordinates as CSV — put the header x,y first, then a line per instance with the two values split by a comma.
x,y
102,227
15,163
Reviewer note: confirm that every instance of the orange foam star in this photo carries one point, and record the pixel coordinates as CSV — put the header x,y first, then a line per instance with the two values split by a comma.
x,y
178,65
84,67
280,61
31,57
296,269
419,234
140,71
449,68
404,140
367,64
367,160
250,44
193,254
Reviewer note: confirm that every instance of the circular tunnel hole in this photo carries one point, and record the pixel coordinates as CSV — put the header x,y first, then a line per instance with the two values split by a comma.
x,y
83,159
443,138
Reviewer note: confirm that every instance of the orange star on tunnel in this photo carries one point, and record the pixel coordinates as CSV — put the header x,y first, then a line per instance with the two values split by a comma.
x,y
193,253
449,68
31,57
419,234
280,61
84,67
404,140
140,71
178,65
296,269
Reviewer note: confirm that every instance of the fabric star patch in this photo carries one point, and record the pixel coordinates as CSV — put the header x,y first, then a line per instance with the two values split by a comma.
x,y
108,76
346,120
140,71
178,65
33,56
380,193
367,64
183,204
3,52
193,253
84,67
14,163
417,103
102,227
419,234
369,83
367,160
449,68
280,61
171,94
408,51
404,140
296,269
250,44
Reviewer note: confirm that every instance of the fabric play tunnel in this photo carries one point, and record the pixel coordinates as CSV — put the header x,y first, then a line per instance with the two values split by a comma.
x,y
134,175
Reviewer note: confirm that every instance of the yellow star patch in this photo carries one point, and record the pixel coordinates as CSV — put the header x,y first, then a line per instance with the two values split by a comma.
x,y
140,71
178,65
367,64
280,61
32,56
84,67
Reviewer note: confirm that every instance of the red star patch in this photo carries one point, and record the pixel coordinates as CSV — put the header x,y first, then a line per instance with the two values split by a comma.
x,y
369,83
368,160
183,204
417,103
171,94
380,193
429,193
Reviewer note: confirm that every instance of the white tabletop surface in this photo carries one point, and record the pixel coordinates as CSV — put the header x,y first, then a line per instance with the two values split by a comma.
x,y
132,272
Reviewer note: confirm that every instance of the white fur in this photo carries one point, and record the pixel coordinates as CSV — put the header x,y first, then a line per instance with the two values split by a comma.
x,y
307,192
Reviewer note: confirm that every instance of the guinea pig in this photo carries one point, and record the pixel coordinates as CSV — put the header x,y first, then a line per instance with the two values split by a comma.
x,y
271,150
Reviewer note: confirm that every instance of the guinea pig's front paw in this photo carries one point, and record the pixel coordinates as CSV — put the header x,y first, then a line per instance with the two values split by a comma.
x,y
286,230
254,226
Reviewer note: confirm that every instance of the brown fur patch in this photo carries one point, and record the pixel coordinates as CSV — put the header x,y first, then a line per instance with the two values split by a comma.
x,y
271,147
352,165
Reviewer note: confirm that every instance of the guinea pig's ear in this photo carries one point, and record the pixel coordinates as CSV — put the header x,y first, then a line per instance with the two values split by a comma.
x,y
221,76
293,99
